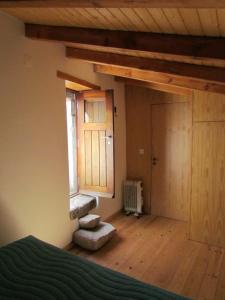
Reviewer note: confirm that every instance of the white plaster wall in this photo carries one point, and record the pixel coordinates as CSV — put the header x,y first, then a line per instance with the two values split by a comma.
x,y
33,147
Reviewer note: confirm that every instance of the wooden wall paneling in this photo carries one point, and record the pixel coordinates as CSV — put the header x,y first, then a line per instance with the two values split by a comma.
x,y
88,157
208,188
138,124
171,145
95,158
138,137
208,107
102,154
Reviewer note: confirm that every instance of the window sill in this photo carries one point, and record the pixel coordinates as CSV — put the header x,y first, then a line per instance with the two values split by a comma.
x,y
97,194
80,205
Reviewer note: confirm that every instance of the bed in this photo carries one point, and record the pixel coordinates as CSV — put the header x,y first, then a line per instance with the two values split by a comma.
x,y
31,269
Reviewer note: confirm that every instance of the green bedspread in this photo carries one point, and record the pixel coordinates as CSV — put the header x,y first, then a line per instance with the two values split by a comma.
x,y
31,269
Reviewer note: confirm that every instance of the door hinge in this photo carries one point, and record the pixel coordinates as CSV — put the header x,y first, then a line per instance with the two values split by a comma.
x,y
115,111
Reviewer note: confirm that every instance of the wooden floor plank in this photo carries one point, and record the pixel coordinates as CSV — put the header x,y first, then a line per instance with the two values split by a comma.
x,y
157,251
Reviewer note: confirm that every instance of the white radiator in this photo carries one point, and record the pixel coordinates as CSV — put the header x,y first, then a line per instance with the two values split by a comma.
x,y
132,196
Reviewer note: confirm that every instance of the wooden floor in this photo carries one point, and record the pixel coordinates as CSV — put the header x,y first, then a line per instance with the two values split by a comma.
x,y
155,250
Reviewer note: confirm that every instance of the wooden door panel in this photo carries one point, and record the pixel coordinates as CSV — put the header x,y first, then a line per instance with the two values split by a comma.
x,y
208,183
96,147
171,146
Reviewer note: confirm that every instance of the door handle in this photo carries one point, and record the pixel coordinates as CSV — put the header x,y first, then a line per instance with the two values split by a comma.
x,y
154,160
107,137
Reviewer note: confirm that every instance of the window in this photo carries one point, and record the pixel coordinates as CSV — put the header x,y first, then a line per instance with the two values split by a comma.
x,y
72,140
91,142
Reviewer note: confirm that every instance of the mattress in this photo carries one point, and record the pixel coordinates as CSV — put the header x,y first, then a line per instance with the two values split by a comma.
x,y
32,269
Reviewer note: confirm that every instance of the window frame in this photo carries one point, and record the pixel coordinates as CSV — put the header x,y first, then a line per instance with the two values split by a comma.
x,y
93,93
71,195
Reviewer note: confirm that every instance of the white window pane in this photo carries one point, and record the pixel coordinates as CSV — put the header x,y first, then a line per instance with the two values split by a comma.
x,y
71,136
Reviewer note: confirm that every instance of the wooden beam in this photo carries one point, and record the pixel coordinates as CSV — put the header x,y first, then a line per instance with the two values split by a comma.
x,y
78,81
150,76
155,86
178,45
115,3
184,70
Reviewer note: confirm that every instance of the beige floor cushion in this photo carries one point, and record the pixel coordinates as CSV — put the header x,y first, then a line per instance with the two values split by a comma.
x,y
89,221
95,238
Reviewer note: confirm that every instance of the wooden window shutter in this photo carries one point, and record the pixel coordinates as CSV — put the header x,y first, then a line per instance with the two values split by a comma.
x,y
96,143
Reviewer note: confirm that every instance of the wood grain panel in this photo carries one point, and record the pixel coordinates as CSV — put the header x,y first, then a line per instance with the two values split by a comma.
x,y
158,253
95,158
176,21
162,78
208,188
147,19
207,21
96,143
208,107
155,86
102,154
138,137
171,146
138,124
192,21
114,3
88,157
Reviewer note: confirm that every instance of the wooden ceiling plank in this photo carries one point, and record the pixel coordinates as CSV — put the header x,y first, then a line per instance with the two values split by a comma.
x,y
160,18
189,46
221,20
147,18
189,71
209,21
115,3
68,77
192,21
159,78
155,86
176,21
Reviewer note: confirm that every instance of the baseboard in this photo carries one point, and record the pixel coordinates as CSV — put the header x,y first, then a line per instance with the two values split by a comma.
x,y
110,218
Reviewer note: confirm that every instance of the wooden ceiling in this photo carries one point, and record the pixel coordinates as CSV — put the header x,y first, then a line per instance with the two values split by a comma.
x,y
172,45
187,21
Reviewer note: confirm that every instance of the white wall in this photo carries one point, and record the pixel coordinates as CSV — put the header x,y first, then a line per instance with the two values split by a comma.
x,y
33,148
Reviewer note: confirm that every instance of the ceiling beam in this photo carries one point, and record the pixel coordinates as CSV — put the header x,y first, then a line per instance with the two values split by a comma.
x,y
115,3
81,82
150,76
177,45
155,86
184,70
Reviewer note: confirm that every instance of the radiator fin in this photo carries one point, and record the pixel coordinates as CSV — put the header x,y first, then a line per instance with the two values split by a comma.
x,y
132,196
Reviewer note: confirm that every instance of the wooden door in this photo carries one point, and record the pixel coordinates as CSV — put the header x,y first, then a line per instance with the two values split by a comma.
x,y
96,142
171,161
208,183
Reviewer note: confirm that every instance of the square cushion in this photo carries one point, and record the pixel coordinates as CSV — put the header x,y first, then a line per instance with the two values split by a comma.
x,y
95,238
89,221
